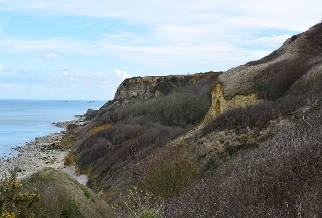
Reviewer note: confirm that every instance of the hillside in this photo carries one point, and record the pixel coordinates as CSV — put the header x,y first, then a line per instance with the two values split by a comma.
x,y
240,143
233,144
146,114
260,142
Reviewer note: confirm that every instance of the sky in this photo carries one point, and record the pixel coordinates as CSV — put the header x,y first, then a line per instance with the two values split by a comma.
x,y
83,50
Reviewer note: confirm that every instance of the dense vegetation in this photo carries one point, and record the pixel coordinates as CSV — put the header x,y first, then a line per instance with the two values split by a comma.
x,y
281,178
119,148
276,80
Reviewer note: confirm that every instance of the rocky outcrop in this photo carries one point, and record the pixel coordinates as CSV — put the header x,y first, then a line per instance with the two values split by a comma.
x,y
221,104
151,86
142,86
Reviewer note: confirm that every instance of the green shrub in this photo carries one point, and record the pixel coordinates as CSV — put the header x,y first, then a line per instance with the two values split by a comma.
x,y
170,172
108,151
62,196
14,202
140,204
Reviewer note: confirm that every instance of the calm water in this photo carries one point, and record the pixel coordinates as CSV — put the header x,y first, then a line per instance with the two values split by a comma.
x,y
23,120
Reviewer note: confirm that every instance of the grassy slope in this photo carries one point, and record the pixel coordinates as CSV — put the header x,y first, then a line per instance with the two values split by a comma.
x,y
62,196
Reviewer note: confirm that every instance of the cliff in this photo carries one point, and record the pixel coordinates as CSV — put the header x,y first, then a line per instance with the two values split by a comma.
x,y
220,104
151,86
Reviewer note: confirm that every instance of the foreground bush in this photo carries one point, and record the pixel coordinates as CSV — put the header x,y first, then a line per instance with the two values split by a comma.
x,y
14,201
62,196
139,204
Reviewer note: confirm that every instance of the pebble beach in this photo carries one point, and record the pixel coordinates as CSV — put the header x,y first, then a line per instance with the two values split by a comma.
x,y
36,155
40,153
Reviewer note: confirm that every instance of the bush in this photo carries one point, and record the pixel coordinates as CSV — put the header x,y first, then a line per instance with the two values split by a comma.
x,y
14,201
169,173
140,204
113,152
62,196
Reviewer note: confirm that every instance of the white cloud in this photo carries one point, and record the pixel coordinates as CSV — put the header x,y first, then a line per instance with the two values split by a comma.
x,y
47,46
51,56
2,68
75,77
58,85
288,14
122,73
173,31
270,41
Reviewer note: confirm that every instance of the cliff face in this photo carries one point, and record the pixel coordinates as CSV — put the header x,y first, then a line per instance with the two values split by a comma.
x,y
143,87
151,86
220,104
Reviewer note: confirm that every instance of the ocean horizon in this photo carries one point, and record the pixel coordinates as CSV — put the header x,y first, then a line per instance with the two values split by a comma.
x,y
22,121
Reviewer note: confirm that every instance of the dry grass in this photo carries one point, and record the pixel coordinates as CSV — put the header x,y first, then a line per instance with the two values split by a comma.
x,y
97,129
282,178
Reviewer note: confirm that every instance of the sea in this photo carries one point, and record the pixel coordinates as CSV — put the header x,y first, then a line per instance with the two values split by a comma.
x,y
22,121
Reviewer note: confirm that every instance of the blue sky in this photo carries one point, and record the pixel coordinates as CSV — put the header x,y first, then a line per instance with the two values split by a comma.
x,y
84,49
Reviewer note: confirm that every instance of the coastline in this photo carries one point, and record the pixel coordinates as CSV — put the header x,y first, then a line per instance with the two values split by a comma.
x,y
36,155
42,152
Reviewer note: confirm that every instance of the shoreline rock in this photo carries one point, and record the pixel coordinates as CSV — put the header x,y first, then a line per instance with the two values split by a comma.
x,y
80,120
42,152
36,155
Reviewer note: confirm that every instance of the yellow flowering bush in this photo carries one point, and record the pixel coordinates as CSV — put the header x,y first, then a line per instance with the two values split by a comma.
x,y
14,201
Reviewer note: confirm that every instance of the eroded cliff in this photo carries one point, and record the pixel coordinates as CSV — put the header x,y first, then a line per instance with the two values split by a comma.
x,y
151,86
220,104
